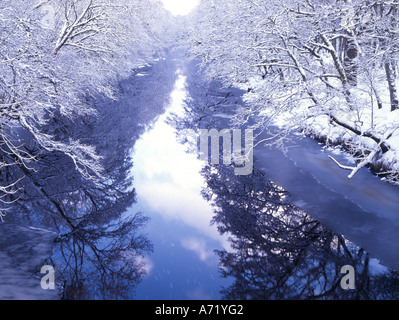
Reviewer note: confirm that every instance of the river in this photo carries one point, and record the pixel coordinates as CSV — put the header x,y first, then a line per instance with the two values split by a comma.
x,y
245,253
183,266
365,209
168,184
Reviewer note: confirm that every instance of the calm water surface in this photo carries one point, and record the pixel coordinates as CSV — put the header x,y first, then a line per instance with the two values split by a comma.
x,y
168,184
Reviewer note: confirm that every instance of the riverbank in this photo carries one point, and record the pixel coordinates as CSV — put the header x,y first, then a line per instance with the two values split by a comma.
x,y
382,164
369,136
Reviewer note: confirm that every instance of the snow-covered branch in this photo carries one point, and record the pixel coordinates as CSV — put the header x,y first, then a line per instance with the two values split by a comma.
x,y
368,160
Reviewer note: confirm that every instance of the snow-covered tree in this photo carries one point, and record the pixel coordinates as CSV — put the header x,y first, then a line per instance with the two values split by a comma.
x,y
327,68
54,55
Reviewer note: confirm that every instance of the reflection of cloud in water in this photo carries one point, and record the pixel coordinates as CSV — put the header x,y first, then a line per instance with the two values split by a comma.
x,y
200,248
198,294
146,264
166,177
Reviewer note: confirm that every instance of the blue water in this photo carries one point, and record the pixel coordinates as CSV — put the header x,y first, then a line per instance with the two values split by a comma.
x,y
184,264
168,183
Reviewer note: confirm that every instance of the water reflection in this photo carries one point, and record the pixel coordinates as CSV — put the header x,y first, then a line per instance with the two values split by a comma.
x,y
169,185
99,251
167,177
279,251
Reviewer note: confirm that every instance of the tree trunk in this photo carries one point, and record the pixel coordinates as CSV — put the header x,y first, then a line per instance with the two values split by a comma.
x,y
350,63
391,79
390,62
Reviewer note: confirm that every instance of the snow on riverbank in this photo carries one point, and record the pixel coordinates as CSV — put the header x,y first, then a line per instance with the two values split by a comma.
x,y
356,133
384,128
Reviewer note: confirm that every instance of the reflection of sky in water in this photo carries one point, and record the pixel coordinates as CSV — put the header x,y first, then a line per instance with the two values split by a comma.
x,y
168,185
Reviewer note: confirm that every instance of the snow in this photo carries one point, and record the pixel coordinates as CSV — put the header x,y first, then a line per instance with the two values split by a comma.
x,y
304,84
180,7
376,268
381,122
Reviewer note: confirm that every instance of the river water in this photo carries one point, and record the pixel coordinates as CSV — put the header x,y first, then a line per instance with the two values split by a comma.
x,y
365,209
265,256
167,179
168,185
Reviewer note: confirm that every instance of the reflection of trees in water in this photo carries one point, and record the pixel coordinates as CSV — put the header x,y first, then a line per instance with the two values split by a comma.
x,y
99,251
96,254
279,251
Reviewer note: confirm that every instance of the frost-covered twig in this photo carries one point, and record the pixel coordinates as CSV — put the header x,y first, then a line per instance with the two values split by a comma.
x,y
341,165
355,169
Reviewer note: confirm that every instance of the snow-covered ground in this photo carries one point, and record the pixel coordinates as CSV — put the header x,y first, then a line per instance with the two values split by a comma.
x,y
381,122
367,120
23,252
